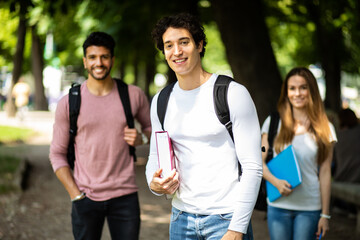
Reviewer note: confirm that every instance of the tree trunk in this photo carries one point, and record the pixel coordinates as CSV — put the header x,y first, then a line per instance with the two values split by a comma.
x,y
18,61
249,52
122,70
136,70
149,76
329,45
331,64
37,69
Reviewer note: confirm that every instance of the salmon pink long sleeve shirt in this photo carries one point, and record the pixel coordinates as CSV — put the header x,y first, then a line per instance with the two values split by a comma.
x,y
103,168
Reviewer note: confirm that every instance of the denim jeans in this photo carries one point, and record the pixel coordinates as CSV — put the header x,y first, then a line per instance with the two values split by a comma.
x,y
187,226
286,224
122,214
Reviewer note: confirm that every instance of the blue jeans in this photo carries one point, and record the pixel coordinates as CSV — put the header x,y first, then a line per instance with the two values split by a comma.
x,y
187,226
286,224
122,214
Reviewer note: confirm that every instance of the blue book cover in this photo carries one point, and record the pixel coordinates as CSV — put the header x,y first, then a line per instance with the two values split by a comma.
x,y
284,166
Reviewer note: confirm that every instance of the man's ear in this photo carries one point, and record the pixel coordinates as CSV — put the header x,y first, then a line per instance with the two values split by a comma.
x,y
200,46
84,62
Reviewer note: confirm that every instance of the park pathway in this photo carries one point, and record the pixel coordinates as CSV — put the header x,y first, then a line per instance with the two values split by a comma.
x,y
42,210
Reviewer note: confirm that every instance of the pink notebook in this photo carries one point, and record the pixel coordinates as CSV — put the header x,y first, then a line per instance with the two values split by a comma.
x,y
166,157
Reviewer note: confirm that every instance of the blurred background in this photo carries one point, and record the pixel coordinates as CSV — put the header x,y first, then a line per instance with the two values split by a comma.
x,y
257,42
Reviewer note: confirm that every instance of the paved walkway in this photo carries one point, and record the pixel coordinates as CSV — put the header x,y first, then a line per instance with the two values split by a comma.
x,y
42,210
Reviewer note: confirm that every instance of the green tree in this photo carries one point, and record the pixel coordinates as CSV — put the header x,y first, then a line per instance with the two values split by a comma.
x,y
7,36
318,31
37,70
22,10
296,30
19,54
249,52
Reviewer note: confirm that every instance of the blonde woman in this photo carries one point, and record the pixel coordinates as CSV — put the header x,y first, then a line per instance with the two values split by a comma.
x,y
303,212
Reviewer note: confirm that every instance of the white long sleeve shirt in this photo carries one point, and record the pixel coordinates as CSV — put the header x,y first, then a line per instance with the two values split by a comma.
x,y
207,159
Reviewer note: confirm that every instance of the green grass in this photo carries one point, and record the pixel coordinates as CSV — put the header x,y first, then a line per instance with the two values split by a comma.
x,y
8,166
14,134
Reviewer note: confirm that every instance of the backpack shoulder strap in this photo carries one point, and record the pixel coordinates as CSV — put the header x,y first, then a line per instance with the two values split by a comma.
x,y
220,102
125,100
221,87
274,123
162,102
74,109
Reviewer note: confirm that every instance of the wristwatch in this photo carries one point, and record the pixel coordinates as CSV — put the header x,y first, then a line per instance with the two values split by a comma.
x,y
325,216
78,197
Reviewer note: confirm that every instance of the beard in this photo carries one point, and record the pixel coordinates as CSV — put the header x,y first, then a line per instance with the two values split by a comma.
x,y
97,76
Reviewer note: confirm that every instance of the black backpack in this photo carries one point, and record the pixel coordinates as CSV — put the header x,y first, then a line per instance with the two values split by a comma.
x,y
74,109
220,103
261,203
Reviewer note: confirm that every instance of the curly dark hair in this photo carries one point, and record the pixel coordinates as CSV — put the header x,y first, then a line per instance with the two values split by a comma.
x,y
181,20
99,39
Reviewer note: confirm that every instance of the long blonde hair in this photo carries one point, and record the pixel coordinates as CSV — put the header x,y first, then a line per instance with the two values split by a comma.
x,y
319,123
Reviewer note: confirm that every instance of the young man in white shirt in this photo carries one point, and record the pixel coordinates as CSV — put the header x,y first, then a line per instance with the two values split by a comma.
x,y
209,201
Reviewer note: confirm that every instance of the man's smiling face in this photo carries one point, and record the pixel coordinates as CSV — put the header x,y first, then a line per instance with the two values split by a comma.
x,y
98,62
180,50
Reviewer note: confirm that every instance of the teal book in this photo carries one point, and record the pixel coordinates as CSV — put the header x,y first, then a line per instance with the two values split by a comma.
x,y
284,166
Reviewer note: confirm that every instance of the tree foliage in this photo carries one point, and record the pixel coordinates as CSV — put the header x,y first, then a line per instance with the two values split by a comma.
x,y
7,36
324,32
243,37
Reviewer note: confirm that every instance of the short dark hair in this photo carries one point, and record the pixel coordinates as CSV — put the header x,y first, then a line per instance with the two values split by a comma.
x,y
99,39
181,20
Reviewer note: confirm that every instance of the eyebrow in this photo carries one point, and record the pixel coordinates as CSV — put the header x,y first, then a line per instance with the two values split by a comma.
x,y
301,85
183,38
102,55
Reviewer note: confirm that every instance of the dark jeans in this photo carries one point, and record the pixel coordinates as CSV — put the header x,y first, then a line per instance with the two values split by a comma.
x,y
122,214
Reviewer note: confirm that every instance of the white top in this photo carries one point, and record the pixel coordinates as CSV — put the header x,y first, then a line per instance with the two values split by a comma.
x,y
206,155
306,196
